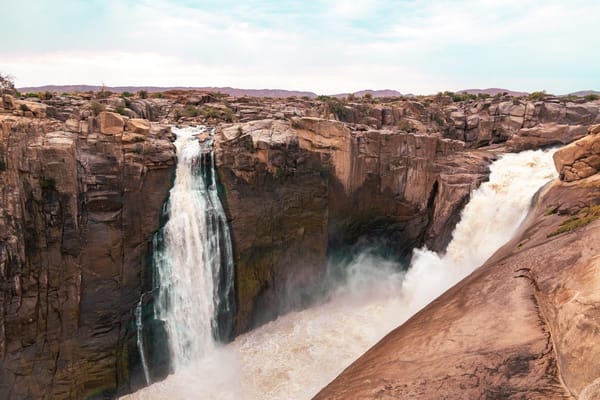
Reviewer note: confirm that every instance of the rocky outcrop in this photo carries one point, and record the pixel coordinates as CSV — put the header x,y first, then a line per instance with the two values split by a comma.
x,y
535,333
79,203
580,159
299,192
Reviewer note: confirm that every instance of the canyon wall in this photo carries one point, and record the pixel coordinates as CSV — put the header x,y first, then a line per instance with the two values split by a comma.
x,y
84,180
80,201
301,191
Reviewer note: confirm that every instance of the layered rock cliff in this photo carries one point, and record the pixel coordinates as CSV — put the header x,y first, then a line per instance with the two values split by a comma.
x,y
524,325
84,179
80,201
302,191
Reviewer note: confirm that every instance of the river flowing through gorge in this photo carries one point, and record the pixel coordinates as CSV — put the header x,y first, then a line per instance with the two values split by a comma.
x,y
296,355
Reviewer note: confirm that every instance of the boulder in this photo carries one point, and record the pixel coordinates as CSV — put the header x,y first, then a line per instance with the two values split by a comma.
x,y
110,123
8,102
580,159
138,125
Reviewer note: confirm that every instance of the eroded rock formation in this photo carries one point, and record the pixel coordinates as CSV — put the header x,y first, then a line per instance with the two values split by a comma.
x,y
301,190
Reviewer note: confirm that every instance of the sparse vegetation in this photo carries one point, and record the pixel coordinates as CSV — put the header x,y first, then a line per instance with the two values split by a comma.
x,y
591,97
127,94
103,93
335,107
158,95
7,82
210,112
143,94
120,110
96,107
228,114
190,111
536,96
582,218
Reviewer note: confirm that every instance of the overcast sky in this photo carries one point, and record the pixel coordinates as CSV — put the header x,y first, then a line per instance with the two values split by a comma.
x,y
414,46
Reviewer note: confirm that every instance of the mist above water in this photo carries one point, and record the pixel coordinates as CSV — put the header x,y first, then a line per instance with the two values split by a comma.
x,y
296,355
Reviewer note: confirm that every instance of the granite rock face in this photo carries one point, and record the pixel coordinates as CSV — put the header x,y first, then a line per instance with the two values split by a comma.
x,y
79,206
300,191
524,325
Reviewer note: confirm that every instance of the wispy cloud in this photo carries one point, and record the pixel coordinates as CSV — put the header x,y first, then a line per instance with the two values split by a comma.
x,y
409,45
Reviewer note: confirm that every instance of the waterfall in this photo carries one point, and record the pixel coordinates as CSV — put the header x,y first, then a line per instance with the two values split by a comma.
x,y
193,254
296,355
140,341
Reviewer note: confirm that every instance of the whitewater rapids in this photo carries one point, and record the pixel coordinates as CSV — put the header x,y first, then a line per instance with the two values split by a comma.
x,y
299,353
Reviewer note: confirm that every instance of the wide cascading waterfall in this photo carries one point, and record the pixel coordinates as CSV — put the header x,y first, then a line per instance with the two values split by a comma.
x,y
193,254
299,353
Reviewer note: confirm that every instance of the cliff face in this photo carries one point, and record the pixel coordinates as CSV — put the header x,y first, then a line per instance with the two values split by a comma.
x,y
524,325
80,201
300,191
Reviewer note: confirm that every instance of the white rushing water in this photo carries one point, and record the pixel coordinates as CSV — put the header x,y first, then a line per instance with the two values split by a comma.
x,y
193,256
299,353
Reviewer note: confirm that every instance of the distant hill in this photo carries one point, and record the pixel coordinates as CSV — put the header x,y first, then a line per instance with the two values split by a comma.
x,y
280,93
582,93
493,91
374,93
277,93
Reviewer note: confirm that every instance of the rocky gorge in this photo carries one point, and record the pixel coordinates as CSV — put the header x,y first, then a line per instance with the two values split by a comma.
x,y
84,179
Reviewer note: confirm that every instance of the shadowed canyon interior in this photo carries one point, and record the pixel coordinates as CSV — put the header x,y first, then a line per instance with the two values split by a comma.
x,y
321,212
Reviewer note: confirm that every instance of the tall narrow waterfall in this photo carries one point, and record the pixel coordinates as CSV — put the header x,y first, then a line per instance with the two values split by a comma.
x,y
299,353
193,255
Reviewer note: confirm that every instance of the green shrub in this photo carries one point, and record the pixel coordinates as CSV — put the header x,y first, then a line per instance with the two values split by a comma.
x,y
210,112
336,107
228,114
96,107
537,95
190,111
120,110
158,95
127,94
30,95
591,97
143,94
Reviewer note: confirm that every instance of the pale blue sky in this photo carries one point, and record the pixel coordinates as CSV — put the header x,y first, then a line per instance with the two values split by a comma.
x,y
417,46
